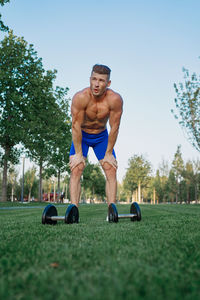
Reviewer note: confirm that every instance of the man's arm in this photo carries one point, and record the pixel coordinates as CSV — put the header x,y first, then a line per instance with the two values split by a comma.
x,y
114,121
77,112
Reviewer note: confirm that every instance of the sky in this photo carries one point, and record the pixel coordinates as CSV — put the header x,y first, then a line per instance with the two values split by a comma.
x,y
145,43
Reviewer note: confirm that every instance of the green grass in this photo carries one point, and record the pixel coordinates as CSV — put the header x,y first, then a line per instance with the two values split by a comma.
x,y
157,258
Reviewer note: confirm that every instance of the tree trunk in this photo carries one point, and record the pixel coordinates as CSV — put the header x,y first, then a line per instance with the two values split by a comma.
x,y
40,183
29,195
133,196
5,170
54,191
139,192
92,195
178,192
196,193
12,194
154,196
66,191
58,185
188,195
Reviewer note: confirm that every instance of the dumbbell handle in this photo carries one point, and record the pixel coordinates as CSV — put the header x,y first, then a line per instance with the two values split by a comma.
x,y
127,216
56,218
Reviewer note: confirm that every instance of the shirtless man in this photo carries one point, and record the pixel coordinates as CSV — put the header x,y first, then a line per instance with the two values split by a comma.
x,y
91,109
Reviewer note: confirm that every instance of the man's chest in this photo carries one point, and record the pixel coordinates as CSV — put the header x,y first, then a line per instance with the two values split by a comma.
x,y
97,111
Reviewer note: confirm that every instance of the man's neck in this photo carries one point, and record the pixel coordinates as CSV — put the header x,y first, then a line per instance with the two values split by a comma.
x,y
99,98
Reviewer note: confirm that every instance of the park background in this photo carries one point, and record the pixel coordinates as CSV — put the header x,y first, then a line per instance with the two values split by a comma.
x,y
145,43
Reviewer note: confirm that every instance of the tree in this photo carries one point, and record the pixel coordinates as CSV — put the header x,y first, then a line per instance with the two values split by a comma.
x,y
30,179
19,69
40,121
48,128
196,178
59,158
190,181
177,168
93,181
164,174
121,193
12,180
188,107
171,186
164,168
48,188
137,175
0,181
2,26
156,188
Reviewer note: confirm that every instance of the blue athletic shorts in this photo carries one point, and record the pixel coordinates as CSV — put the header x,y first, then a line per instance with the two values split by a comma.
x,y
97,141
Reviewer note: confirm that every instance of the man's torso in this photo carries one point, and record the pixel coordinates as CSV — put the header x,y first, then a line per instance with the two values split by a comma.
x,y
96,111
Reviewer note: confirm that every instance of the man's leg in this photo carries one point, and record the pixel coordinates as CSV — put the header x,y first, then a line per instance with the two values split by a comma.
x,y
75,185
76,172
111,182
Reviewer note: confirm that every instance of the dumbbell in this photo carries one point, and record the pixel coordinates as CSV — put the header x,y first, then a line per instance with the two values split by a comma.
x,y
135,213
50,215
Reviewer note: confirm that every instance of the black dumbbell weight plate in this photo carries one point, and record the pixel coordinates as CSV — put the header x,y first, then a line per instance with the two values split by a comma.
x,y
112,213
72,214
49,211
135,209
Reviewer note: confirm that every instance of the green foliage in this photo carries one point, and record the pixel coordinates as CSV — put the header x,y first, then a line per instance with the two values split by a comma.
x,y
190,180
157,184
139,170
122,194
40,118
48,135
188,104
2,26
19,67
2,2
93,181
32,113
61,140
30,183
183,181
177,170
171,187
178,183
178,164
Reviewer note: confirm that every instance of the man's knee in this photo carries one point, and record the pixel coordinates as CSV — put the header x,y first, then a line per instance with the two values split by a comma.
x,y
77,160
78,170
109,171
107,167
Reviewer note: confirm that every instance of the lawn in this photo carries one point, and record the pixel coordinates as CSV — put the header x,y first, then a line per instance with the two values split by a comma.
x,y
157,258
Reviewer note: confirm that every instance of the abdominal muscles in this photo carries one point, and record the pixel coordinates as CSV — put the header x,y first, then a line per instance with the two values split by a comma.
x,y
94,123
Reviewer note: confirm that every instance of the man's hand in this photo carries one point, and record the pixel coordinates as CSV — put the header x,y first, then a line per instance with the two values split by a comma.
x,y
110,159
76,160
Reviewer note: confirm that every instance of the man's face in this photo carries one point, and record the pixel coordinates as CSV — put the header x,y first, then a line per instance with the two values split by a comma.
x,y
99,84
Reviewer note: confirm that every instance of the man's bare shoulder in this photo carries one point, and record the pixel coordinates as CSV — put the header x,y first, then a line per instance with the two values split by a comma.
x,y
114,98
83,93
81,98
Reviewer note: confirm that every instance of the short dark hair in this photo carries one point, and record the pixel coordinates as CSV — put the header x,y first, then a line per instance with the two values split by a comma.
x,y
102,69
